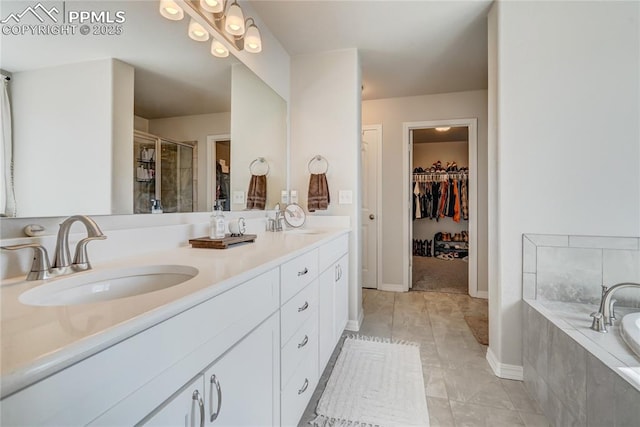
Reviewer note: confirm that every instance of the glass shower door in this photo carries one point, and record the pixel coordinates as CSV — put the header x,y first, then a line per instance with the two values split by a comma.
x,y
176,177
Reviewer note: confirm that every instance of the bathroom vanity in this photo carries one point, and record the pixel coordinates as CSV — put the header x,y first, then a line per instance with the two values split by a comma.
x,y
241,343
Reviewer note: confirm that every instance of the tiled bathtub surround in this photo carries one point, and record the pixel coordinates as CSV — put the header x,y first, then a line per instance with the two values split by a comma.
x,y
579,376
573,268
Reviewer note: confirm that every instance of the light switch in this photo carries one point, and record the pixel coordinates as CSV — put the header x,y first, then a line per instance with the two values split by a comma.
x,y
284,197
345,197
294,196
238,197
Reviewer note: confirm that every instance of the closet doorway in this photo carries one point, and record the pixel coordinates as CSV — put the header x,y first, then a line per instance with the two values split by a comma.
x,y
218,171
440,217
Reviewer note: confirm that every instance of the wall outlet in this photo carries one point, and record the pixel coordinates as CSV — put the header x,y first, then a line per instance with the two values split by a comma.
x,y
294,196
345,197
238,198
284,197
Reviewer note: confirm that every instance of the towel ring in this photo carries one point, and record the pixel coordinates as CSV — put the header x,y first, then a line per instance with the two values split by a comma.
x,y
318,158
259,160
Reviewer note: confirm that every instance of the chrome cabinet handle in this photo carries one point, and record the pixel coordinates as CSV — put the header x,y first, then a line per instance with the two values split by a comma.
x,y
304,342
340,267
336,276
304,386
304,307
196,396
215,381
303,272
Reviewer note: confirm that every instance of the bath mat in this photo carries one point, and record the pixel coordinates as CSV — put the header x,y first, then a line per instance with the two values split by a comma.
x,y
375,382
479,326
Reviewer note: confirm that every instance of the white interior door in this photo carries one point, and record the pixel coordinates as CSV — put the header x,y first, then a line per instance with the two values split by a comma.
x,y
371,187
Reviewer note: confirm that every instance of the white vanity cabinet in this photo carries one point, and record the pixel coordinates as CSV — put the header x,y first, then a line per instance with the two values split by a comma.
x,y
334,297
243,378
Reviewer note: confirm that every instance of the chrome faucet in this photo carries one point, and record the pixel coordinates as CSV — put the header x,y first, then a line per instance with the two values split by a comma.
x,y
605,313
277,223
40,267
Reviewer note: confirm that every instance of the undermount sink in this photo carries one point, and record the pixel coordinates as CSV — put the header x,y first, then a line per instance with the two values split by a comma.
x,y
630,331
303,231
104,285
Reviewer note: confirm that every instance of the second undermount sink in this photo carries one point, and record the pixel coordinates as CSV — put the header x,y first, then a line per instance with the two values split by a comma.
x,y
303,231
104,285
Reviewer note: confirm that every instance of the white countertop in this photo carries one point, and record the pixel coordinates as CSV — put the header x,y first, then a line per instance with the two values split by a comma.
x,y
38,341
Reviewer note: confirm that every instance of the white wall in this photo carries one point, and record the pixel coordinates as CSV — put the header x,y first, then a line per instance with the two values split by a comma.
x,y
141,124
326,119
122,137
424,155
567,141
258,129
194,128
391,113
67,113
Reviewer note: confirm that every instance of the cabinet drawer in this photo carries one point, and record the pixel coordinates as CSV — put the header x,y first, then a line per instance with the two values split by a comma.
x,y
332,251
299,347
295,312
296,273
298,392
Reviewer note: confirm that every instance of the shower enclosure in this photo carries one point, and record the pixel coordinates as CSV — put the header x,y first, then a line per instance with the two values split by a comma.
x,y
164,170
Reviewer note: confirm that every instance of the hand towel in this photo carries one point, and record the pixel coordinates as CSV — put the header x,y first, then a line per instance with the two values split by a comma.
x,y
318,197
257,194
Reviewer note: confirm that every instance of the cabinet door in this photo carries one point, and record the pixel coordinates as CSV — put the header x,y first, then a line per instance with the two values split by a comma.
x,y
326,327
341,296
186,408
246,377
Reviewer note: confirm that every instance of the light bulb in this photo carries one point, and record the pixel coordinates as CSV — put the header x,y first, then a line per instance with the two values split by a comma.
x,y
218,49
170,10
197,31
252,40
443,129
234,24
213,6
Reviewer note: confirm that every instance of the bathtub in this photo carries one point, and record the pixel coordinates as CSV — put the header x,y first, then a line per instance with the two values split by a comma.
x,y
579,376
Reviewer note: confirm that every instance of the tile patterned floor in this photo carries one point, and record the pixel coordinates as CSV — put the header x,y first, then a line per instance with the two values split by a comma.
x,y
460,386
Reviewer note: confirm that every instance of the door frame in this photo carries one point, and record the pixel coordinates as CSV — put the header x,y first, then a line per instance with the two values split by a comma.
x,y
407,206
378,213
211,165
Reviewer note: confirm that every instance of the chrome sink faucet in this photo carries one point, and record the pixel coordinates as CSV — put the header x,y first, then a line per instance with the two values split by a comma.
x,y
605,314
277,223
40,267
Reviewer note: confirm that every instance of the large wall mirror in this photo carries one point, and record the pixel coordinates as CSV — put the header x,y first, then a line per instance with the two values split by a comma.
x,y
105,122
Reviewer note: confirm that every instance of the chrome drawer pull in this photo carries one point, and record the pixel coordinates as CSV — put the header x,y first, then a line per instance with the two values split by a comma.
x,y
303,272
215,414
304,307
304,386
196,396
304,342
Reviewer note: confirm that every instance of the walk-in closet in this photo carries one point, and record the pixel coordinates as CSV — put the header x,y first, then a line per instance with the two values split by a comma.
x,y
440,188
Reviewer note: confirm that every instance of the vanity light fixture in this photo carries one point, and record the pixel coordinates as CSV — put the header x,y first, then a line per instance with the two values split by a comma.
x,y
197,31
218,49
252,39
213,6
443,129
208,18
234,23
170,10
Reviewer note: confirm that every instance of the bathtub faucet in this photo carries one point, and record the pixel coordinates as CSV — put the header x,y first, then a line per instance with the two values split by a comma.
x,y
604,315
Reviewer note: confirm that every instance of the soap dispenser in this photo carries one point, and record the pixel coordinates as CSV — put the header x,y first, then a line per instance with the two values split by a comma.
x,y
218,225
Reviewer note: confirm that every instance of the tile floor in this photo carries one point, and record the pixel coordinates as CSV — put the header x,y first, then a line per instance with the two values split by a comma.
x,y
461,389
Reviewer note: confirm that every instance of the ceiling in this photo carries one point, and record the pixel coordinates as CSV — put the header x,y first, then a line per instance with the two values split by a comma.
x,y
406,47
455,134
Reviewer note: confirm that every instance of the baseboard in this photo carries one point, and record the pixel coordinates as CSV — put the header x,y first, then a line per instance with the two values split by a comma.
x,y
502,370
482,294
354,325
392,287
